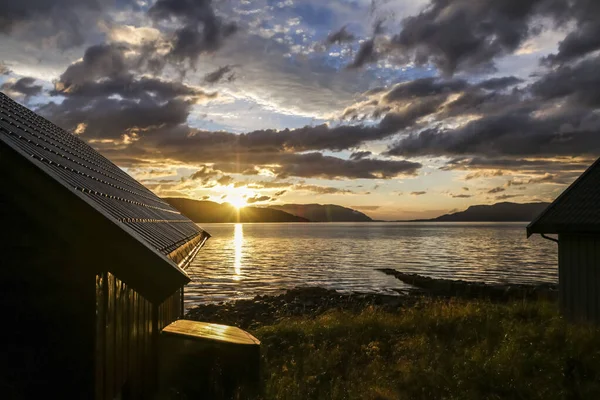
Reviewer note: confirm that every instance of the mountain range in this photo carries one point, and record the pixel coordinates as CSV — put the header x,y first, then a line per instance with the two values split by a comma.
x,y
499,212
208,211
323,212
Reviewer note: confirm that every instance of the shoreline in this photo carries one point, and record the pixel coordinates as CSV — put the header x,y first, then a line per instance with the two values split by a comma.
x,y
312,302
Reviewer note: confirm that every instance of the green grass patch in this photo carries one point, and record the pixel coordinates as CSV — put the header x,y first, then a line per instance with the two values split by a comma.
x,y
435,350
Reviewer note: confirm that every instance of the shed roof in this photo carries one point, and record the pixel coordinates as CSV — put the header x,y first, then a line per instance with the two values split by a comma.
x,y
576,210
101,184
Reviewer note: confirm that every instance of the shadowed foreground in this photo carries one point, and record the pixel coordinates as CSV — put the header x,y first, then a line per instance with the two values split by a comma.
x,y
434,350
319,344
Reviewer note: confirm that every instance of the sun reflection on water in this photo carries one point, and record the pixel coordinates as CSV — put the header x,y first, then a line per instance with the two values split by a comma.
x,y
238,241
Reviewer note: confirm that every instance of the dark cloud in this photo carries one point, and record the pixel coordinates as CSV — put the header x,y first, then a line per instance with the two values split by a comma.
x,y
585,38
360,155
200,29
364,55
423,87
104,98
280,193
339,37
483,174
460,196
24,86
508,196
321,189
219,74
538,179
257,199
234,154
497,166
128,87
203,173
418,193
514,132
62,23
454,34
577,83
466,189
496,190
110,118
499,83
318,165
225,180
99,61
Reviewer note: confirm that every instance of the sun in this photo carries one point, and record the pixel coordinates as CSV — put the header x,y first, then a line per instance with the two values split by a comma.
x,y
237,201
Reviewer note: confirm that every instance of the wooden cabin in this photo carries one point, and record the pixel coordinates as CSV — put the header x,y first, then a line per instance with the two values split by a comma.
x,y
92,268
575,217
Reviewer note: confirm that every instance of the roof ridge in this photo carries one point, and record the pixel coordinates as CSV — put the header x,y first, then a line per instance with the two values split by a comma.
x,y
561,196
112,192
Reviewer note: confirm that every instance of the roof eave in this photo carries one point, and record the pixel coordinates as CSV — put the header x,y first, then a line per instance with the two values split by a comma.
x,y
140,255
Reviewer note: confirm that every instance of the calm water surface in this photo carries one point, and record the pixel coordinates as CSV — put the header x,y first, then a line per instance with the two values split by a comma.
x,y
243,260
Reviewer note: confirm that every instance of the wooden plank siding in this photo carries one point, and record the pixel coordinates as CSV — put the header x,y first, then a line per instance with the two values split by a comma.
x,y
127,329
579,278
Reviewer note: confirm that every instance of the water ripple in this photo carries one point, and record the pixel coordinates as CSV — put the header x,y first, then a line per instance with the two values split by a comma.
x,y
243,260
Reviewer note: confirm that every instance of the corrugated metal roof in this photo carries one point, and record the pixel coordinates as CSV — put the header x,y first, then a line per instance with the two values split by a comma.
x,y
577,209
116,194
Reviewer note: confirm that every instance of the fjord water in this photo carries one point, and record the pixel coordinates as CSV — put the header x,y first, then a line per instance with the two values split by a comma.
x,y
244,260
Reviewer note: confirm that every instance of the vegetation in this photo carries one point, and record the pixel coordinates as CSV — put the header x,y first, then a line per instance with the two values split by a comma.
x,y
437,349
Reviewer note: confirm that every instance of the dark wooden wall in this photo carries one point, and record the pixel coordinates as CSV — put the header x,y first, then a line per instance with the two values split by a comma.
x,y
54,305
47,302
127,330
579,276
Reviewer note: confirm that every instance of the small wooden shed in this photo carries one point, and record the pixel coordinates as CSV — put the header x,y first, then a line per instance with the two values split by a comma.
x,y
92,267
575,217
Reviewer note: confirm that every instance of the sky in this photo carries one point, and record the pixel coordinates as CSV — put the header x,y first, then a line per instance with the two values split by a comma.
x,y
400,109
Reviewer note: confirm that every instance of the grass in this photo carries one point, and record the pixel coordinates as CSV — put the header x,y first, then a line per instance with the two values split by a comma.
x,y
436,350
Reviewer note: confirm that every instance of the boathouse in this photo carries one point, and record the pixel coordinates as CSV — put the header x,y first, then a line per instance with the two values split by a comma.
x,y
92,269
575,217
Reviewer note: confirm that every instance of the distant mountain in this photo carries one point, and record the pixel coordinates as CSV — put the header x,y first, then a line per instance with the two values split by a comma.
x,y
499,212
323,212
208,211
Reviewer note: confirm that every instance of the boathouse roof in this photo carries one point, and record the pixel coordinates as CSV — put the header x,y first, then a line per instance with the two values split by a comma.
x,y
161,231
576,210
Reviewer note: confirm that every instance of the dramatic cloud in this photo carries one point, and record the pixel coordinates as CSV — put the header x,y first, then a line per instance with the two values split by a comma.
x,y
453,91
585,38
220,74
59,23
360,155
225,180
200,29
499,83
508,196
203,173
321,189
257,199
340,36
99,61
517,133
364,55
24,86
577,83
